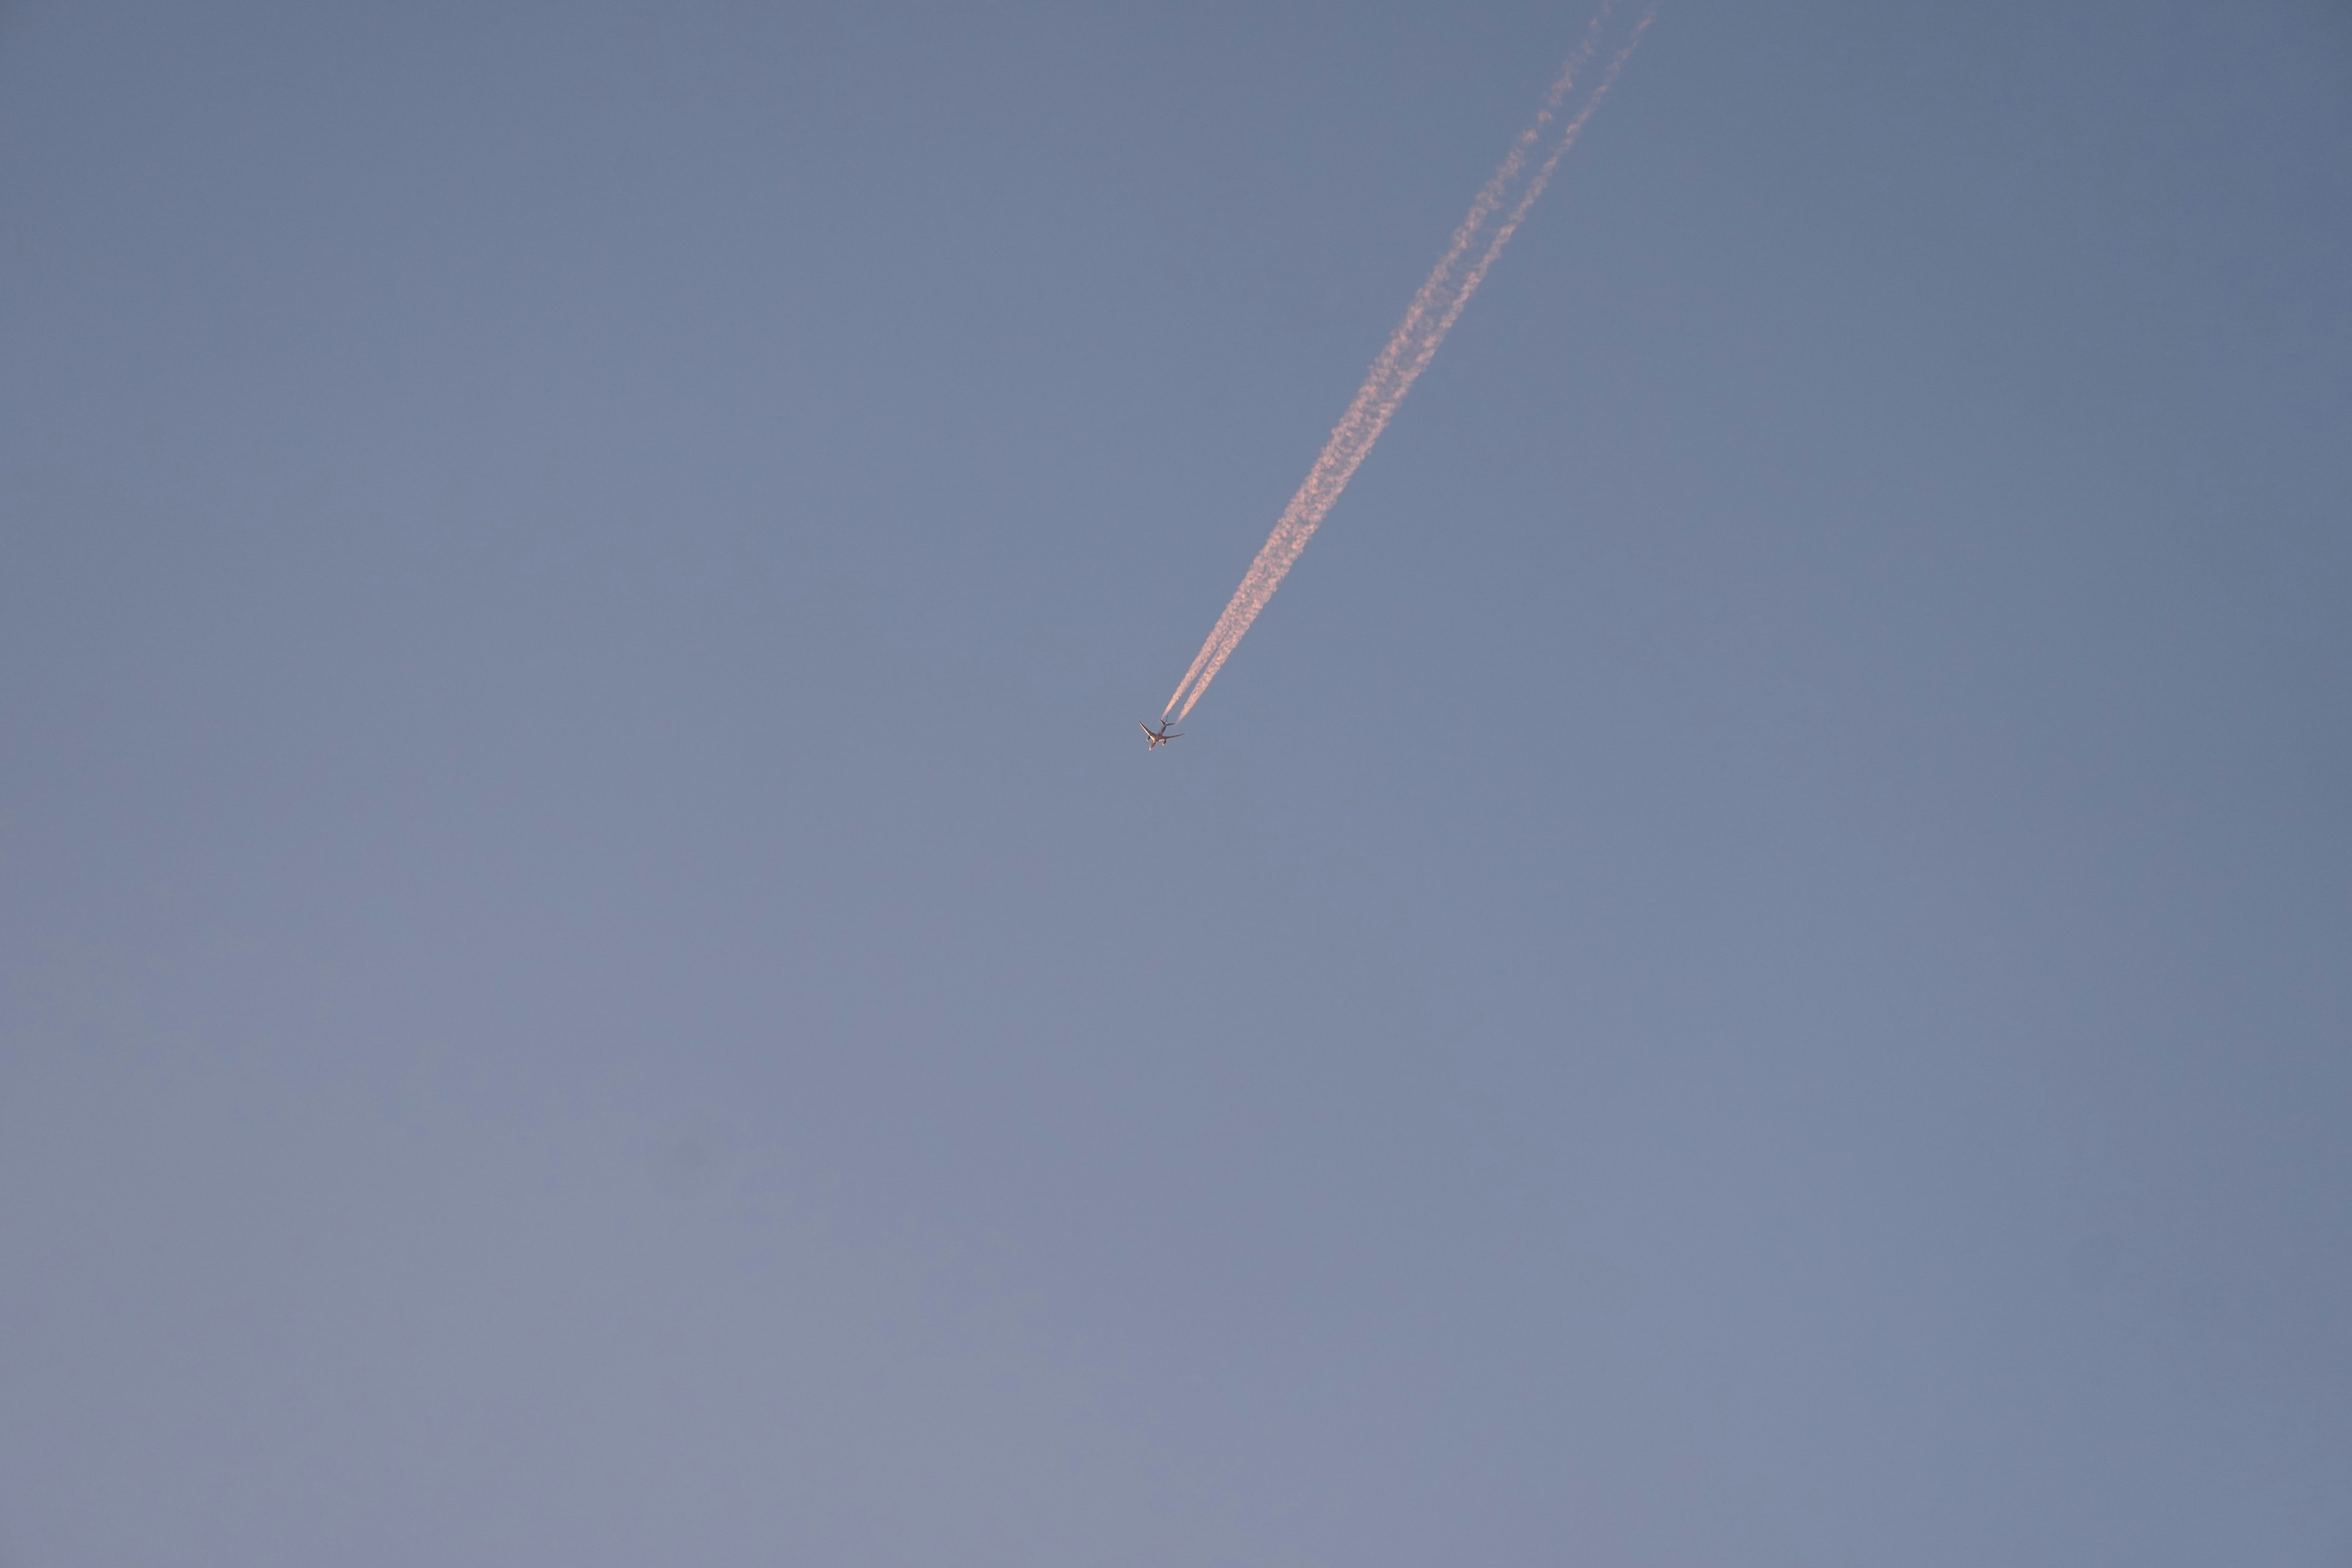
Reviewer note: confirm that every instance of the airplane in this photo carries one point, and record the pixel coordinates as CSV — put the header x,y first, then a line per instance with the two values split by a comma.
x,y
1159,737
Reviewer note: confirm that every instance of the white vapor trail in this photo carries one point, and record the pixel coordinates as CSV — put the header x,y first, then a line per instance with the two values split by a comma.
x,y
1434,308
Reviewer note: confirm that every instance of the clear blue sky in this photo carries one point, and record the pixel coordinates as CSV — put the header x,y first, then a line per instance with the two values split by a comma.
x,y
1752,964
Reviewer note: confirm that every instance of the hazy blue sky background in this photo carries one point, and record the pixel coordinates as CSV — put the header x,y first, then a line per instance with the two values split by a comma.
x,y
1752,964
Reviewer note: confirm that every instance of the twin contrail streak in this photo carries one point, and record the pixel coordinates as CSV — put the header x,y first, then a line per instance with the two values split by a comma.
x,y
1409,348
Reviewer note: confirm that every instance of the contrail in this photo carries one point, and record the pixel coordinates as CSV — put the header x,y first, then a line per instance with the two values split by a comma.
x,y
1435,307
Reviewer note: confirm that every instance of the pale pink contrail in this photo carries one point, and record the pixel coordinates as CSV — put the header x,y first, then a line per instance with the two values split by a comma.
x,y
1406,354
1360,425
